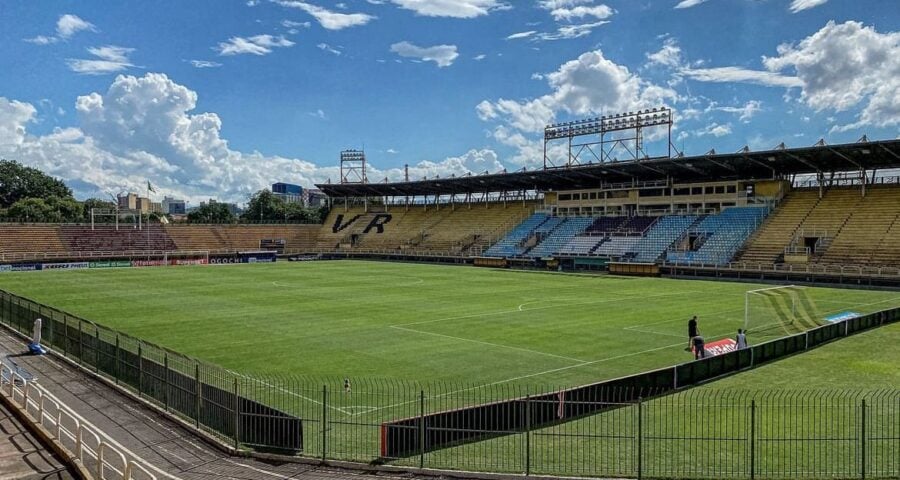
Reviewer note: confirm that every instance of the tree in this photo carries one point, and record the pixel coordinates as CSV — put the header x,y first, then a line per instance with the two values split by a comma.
x,y
51,210
264,206
211,213
18,182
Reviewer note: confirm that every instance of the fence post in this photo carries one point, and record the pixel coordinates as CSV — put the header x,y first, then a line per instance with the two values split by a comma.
x,y
80,343
862,439
324,420
166,383
640,439
116,368
237,415
528,435
140,369
752,439
199,394
65,335
422,429
96,349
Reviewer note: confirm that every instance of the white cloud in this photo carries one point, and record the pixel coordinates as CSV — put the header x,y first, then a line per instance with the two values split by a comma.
x,y
320,114
13,117
846,65
714,129
205,64
42,40
145,128
110,59
442,55
293,25
689,3
589,85
479,57
567,32
255,45
521,35
800,5
568,13
392,151
328,48
743,75
669,55
67,26
329,19
451,8
744,112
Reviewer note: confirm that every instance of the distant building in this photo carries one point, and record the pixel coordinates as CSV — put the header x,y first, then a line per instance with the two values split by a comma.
x,y
313,197
173,206
132,201
288,192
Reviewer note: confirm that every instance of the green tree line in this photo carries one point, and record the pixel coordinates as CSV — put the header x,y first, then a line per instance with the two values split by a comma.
x,y
29,195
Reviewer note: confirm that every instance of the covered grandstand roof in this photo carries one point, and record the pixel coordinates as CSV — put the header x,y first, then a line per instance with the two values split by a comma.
x,y
743,165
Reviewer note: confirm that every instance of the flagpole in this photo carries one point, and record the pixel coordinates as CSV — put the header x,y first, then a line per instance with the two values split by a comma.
x,y
148,217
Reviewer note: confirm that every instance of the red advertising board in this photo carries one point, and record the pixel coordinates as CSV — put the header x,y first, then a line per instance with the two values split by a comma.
x,y
719,347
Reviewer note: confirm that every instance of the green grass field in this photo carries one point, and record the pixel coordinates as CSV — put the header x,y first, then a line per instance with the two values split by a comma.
x,y
414,322
471,335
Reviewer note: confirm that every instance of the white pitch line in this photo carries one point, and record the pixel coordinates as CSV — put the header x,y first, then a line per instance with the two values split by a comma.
x,y
503,312
304,397
258,470
487,343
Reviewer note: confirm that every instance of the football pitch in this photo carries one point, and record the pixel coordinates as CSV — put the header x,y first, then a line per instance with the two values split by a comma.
x,y
422,323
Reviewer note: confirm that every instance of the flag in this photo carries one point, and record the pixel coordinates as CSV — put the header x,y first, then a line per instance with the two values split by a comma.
x,y
150,187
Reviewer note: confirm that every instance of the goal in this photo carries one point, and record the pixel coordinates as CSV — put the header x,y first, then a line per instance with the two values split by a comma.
x,y
782,310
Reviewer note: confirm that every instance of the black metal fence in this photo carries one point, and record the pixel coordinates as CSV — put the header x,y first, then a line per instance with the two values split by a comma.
x,y
640,426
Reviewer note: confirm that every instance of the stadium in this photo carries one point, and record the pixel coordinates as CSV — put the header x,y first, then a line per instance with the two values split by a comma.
x,y
528,322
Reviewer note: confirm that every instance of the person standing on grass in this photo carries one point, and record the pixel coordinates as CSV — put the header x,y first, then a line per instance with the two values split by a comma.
x,y
693,331
347,388
699,347
741,339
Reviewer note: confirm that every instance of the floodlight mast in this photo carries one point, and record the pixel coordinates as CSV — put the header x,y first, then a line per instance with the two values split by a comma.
x,y
631,145
353,166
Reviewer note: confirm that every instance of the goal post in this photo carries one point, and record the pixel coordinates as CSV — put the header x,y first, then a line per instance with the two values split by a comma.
x,y
787,309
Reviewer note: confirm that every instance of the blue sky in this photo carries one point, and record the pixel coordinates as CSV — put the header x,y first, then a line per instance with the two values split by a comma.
x,y
221,98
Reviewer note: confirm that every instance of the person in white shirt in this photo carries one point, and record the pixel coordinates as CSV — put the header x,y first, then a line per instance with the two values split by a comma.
x,y
741,339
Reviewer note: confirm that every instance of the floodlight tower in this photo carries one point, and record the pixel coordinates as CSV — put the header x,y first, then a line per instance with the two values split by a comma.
x,y
353,166
598,139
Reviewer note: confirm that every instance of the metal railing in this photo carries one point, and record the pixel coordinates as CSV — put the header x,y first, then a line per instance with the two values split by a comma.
x,y
87,443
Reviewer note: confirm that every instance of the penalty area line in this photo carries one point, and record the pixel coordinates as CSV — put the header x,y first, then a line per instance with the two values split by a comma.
x,y
487,343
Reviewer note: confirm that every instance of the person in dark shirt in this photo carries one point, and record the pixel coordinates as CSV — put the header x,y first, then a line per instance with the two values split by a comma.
x,y
692,332
699,347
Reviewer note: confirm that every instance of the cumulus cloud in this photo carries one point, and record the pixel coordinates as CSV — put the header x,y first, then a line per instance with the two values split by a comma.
x,y
328,19
145,128
442,55
669,55
569,13
588,85
451,8
845,65
800,5
109,59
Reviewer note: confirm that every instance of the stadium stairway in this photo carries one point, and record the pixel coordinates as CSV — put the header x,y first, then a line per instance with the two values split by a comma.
x,y
511,244
660,237
718,237
560,236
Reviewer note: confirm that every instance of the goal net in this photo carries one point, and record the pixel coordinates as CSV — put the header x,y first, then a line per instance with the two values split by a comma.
x,y
778,311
